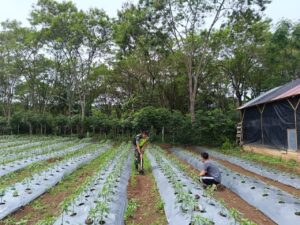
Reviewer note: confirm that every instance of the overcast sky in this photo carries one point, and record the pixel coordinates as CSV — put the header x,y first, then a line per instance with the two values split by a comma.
x,y
19,9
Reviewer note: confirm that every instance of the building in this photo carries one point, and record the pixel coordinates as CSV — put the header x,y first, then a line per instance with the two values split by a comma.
x,y
271,122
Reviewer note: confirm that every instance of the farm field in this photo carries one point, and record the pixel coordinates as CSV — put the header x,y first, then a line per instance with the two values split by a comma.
x,y
111,110
59,181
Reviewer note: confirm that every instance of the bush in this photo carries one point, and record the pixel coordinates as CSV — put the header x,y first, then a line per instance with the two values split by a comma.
x,y
214,126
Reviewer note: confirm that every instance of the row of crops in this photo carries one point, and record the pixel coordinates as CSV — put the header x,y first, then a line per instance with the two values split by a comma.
x,y
185,201
21,193
280,206
102,197
270,173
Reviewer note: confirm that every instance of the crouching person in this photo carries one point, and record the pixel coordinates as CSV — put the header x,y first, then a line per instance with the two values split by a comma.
x,y
210,174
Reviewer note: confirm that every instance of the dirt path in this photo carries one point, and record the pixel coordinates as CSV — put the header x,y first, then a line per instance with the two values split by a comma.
x,y
142,190
231,199
293,191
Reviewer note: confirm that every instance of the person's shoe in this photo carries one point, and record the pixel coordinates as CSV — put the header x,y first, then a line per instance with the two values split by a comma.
x,y
142,172
220,187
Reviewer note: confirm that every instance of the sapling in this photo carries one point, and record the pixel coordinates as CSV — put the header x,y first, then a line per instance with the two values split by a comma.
x,y
247,222
92,216
210,192
73,204
265,192
15,193
281,201
2,194
200,220
13,187
28,182
45,175
65,207
235,215
223,209
102,208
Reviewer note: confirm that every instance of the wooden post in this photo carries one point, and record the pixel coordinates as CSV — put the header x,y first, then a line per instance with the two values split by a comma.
x,y
295,118
261,121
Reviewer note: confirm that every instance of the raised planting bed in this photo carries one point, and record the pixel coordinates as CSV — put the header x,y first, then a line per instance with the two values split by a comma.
x,y
12,142
21,193
11,151
282,177
43,149
278,205
103,199
32,158
185,202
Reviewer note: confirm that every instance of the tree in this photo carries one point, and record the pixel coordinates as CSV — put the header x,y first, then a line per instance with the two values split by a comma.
x,y
191,23
242,51
9,75
77,41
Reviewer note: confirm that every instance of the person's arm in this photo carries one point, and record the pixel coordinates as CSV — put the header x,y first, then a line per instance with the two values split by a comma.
x,y
138,148
204,171
144,146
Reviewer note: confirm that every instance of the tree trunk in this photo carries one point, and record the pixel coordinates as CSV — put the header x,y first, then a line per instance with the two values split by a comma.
x,y
192,96
30,129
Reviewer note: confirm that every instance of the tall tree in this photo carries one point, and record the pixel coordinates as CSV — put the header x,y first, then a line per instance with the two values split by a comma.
x,y
76,40
190,23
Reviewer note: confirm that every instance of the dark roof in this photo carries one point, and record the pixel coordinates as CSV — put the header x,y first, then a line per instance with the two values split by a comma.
x,y
278,93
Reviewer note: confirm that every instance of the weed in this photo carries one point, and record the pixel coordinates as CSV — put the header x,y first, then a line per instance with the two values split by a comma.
x,y
131,209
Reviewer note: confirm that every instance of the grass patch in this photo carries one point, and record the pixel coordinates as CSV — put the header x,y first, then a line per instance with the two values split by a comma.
x,y
276,162
131,209
133,181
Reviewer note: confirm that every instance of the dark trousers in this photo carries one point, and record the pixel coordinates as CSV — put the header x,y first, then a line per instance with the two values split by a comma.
x,y
209,180
137,160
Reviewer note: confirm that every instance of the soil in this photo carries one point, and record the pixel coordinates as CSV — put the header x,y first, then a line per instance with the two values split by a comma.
x,y
231,199
53,160
143,191
293,191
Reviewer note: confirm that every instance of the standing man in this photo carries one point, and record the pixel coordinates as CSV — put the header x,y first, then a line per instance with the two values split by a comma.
x,y
139,143
210,174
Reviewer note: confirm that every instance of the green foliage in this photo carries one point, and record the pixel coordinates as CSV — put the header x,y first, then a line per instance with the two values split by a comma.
x,y
214,126
131,208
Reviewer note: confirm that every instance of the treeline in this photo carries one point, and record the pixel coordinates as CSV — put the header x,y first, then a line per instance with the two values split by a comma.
x,y
178,68
163,124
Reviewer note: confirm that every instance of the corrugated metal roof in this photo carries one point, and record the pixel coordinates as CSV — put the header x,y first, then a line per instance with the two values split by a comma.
x,y
294,91
281,92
